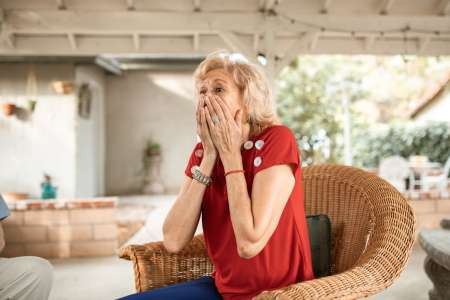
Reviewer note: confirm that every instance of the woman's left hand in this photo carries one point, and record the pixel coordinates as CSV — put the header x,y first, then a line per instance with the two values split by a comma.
x,y
227,133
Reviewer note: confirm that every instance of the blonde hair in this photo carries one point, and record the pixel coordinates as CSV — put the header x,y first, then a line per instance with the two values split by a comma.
x,y
252,82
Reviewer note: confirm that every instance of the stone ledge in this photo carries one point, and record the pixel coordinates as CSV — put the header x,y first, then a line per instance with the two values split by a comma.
x,y
33,204
62,228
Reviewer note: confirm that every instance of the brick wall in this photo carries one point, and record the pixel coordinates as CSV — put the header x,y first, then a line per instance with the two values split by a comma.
x,y
430,212
61,228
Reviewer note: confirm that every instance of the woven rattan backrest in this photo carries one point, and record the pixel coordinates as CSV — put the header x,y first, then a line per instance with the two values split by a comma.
x,y
338,192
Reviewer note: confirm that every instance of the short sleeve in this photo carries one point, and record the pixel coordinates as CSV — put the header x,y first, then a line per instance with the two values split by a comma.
x,y
4,210
279,146
194,159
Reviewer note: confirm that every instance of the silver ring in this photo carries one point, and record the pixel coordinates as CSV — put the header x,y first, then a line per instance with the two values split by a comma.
x,y
215,119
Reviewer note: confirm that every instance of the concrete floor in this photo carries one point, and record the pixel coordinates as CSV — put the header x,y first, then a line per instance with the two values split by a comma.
x,y
91,278
111,278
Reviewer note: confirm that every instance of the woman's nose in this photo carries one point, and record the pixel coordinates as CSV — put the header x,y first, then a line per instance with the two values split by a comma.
x,y
208,94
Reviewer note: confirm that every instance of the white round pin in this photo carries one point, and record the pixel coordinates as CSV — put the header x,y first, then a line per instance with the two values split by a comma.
x,y
259,144
257,161
199,152
248,145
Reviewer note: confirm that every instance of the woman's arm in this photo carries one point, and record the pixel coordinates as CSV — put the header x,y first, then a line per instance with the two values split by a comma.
x,y
255,219
182,220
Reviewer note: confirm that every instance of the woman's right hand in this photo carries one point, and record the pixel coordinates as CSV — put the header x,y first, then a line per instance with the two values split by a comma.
x,y
209,149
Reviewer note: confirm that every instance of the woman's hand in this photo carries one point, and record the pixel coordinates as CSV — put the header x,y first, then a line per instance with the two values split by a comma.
x,y
203,131
227,133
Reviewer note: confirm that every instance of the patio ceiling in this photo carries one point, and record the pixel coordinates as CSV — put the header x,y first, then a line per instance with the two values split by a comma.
x,y
279,29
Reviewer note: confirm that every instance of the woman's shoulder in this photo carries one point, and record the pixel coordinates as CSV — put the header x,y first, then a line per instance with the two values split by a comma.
x,y
277,131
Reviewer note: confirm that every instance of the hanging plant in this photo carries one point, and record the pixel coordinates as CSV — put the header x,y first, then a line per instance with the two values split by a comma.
x,y
31,89
31,105
8,109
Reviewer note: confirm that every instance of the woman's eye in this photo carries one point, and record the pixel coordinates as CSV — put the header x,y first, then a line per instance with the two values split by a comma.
x,y
202,92
219,89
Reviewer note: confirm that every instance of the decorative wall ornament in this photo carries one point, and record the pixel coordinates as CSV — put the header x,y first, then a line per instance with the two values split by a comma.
x,y
84,101
31,89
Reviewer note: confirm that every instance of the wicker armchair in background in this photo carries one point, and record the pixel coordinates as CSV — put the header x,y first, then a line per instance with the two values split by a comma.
x,y
373,229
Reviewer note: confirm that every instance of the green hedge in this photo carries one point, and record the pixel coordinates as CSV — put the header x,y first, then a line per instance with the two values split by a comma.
x,y
431,139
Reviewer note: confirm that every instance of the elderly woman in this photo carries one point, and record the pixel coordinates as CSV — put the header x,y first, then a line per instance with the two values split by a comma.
x,y
244,177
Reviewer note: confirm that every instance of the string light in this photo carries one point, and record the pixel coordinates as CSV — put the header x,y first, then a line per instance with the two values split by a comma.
x,y
396,30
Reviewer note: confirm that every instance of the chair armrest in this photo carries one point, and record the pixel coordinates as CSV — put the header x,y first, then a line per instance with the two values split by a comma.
x,y
358,282
155,267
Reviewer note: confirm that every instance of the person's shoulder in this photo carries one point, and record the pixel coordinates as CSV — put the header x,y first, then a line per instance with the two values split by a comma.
x,y
279,131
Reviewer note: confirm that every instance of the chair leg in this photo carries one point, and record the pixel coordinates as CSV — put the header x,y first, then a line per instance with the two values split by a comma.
x,y
443,187
424,186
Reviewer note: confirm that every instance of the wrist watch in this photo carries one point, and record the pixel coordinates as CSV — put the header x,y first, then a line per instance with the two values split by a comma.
x,y
202,178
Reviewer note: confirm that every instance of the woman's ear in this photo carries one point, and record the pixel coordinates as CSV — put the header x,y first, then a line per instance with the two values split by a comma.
x,y
238,116
245,116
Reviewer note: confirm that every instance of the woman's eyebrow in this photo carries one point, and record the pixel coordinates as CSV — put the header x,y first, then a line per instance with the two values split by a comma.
x,y
202,84
221,81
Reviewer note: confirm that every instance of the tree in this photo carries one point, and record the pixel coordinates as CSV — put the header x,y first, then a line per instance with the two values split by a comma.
x,y
384,89
313,110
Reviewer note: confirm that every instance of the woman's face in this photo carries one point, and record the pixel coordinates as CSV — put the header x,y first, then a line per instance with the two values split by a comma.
x,y
219,82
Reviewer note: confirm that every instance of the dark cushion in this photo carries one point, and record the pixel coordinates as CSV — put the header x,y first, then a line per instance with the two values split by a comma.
x,y
319,228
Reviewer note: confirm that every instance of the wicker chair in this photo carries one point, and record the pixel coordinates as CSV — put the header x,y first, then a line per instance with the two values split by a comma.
x,y
373,229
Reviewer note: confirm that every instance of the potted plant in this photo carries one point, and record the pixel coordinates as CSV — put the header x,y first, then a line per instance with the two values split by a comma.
x,y
152,164
152,149
48,190
8,108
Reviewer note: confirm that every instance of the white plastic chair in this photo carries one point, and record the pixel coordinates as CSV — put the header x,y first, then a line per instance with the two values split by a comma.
x,y
440,180
394,169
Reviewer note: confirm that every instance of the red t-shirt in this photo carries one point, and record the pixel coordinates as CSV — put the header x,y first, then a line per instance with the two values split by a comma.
x,y
286,258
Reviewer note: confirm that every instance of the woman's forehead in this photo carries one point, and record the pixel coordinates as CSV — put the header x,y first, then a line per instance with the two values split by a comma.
x,y
216,75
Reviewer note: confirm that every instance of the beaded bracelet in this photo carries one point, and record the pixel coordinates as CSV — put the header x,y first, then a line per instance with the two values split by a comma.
x,y
234,171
